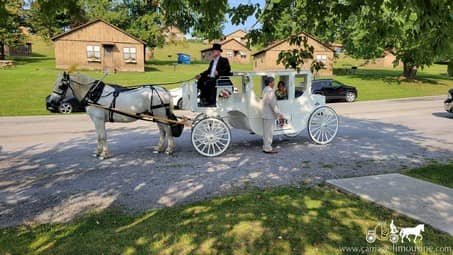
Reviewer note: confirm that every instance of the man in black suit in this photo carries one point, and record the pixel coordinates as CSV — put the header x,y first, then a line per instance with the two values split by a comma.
x,y
219,66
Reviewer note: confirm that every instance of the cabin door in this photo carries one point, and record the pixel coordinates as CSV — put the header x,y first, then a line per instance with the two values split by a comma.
x,y
108,64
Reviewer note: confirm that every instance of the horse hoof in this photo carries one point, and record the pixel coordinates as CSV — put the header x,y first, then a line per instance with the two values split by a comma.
x,y
169,152
103,157
156,152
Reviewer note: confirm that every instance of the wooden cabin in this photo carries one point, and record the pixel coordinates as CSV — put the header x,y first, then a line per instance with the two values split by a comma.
x,y
239,35
98,45
235,51
266,59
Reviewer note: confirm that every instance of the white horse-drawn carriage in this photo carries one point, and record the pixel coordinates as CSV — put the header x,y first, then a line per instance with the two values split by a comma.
x,y
239,106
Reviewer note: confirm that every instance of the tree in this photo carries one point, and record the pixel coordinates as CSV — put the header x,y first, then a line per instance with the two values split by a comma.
x,y
51,17
114,12
10,21
203,18
145,19
415,31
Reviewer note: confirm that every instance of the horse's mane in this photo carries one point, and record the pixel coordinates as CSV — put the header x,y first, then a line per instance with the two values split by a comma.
x,y
82,79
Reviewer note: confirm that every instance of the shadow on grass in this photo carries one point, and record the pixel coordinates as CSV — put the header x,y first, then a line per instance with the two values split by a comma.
x,y
149,68
37,55
317,220
29,60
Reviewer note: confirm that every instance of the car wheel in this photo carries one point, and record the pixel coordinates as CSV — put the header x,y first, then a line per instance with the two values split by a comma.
x,y
65,108
179,104
350,97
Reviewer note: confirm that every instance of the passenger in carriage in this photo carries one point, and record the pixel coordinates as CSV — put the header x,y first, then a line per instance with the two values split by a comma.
x,y
219,66
282,92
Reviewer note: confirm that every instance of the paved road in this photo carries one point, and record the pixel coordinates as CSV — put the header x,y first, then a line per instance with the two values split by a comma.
x,y
47,172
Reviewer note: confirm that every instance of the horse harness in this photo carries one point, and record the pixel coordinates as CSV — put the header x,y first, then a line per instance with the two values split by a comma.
x,y
95,93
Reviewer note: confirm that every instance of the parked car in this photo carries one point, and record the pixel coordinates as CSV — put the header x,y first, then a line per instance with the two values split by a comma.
x,y
449,102
176,94
68,105
334,90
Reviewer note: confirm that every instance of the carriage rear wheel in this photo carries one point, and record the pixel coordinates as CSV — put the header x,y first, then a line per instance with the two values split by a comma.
x,y
323,125
211,136
198,118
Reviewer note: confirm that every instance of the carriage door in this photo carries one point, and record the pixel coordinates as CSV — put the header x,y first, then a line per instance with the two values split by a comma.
x,y
285,97
108,64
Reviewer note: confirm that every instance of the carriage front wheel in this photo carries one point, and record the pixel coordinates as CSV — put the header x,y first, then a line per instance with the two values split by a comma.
x,y
211,136
323,125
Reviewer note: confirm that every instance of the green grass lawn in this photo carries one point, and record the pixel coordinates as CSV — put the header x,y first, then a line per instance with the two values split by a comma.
x,y
168,52
316,220
24,88
440,174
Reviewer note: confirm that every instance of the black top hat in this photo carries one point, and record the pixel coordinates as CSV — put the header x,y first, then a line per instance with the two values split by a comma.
x,y
217,46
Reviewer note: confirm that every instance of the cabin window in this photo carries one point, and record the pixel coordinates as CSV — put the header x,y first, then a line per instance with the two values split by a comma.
x,y
321,58
93,53
229,54
130,55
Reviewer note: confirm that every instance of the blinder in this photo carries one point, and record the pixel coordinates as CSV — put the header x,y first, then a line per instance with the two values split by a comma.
x,y
63,87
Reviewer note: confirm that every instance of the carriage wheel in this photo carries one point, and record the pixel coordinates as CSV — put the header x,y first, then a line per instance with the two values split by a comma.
x,y
323,125
198,118
211,137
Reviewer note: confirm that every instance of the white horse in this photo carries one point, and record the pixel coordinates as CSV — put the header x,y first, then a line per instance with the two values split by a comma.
x,y
406,232
153,100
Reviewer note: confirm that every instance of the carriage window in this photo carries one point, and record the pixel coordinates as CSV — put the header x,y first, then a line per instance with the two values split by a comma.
x,y
130,55
300,85
282,87
93,53
235,81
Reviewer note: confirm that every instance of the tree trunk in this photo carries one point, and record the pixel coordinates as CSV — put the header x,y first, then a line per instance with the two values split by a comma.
x,y
410,71
2,51
450,68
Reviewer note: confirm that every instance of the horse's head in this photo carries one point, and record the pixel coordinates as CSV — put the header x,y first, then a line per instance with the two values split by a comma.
x,y
62,84
422,227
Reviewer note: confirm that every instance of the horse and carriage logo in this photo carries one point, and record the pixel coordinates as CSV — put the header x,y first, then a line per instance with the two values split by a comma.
x,y
392,233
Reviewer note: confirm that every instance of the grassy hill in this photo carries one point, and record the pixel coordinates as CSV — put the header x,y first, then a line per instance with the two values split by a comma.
x,y
169,51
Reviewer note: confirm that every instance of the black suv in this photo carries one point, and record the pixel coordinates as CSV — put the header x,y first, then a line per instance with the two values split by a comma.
x,y
334,90
68,105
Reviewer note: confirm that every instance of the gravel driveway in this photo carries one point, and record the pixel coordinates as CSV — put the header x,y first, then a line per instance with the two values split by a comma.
x,y
47,173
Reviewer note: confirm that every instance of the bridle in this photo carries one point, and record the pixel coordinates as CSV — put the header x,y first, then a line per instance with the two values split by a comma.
x,y
63,87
